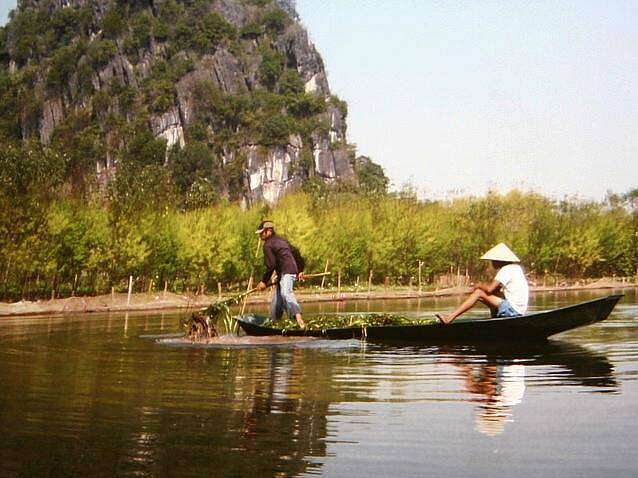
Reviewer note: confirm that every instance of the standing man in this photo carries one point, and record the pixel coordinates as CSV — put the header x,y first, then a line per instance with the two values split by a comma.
x,y
506,295
281,257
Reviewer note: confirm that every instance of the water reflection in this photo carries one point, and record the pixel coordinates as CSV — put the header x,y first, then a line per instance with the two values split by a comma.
x,y
494,377
500,387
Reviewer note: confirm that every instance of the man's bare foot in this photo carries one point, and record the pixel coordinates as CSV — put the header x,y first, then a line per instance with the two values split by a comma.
x,y
443,319
300,321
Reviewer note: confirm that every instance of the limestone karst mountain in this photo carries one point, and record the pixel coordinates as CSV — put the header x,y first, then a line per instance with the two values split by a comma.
x,y
229,95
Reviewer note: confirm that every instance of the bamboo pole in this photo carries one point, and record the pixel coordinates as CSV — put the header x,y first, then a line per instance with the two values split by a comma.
x,y
317,274
250,280
420,267
219,290
339,284
369,282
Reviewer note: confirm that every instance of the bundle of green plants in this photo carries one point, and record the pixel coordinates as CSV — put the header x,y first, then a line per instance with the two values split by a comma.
x,y
203,324
324,322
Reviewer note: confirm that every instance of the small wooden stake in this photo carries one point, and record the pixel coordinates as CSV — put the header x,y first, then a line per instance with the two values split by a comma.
x,y
130,289
369,282
323,280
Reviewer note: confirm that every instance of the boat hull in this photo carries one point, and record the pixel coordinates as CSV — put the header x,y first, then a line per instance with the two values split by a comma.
x,y
533,327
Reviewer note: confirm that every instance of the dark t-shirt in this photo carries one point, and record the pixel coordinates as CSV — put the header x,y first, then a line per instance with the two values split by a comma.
x,y
282,257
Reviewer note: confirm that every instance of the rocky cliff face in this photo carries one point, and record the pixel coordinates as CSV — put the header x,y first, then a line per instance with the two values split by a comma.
x,y
108,55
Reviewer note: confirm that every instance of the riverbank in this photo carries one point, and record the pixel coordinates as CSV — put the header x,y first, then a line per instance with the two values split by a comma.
x,y
171,301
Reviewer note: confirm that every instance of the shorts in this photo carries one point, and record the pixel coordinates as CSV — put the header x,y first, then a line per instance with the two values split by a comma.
x,y
505,309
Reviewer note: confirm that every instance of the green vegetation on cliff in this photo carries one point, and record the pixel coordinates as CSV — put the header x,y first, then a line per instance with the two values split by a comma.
x,y
93,79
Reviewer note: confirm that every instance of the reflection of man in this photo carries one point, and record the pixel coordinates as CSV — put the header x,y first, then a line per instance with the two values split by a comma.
x,y
507,390
281,257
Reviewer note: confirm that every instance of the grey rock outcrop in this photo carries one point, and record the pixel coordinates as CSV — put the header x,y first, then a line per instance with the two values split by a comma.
x,y
269,172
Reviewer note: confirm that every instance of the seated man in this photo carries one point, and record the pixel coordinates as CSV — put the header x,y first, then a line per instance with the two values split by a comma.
x,y
506,295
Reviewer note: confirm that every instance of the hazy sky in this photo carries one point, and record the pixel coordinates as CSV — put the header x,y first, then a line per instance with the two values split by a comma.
x,y
471,95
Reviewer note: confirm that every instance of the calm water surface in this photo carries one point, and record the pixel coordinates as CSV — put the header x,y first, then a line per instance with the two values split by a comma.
x,y
95,396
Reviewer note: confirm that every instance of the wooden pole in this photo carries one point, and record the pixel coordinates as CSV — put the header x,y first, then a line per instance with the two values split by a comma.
x,y
369,282
323,280
420,266
339,284
250,279
165,289
219,290
130,289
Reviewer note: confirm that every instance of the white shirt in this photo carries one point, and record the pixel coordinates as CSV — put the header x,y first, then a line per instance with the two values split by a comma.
x,y
515,286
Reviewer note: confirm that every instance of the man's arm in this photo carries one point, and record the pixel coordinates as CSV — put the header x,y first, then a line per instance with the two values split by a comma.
x,y
490,288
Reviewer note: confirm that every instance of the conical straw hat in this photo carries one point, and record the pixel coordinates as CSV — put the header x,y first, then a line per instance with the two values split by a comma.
x,y
500,252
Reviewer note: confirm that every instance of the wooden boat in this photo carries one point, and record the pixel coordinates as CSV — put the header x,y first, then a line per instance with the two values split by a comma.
x,y
532,327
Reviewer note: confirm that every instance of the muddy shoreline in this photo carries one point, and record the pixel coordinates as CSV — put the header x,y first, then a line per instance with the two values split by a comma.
x,y
168,301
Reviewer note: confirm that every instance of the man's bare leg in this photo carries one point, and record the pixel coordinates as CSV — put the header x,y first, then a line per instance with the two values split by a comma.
x,y
491,301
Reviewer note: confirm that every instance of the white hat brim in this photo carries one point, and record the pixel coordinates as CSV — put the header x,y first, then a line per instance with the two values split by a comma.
x,y
500,252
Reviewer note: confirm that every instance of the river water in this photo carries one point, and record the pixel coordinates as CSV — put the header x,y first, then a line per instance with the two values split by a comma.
x,y
100,396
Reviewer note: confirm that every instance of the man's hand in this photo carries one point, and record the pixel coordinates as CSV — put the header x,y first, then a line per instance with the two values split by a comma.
x,y
261,286
301,276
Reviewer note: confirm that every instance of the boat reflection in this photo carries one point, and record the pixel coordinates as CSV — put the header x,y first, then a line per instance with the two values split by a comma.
x,y
495,376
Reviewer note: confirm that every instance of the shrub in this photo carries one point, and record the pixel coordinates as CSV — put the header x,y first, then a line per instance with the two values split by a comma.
x,y
250,31
63,64
276,21
113,23
272,65
291,83
304,105
275,131
69,22
100,52
141,30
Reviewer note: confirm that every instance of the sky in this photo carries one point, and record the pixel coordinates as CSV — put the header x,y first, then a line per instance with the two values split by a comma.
x,y
462,97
